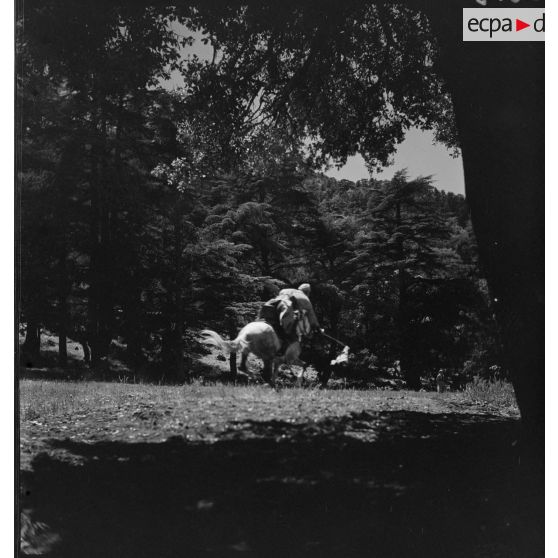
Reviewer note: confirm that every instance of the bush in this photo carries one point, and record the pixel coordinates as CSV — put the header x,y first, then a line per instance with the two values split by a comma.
x,y
499,393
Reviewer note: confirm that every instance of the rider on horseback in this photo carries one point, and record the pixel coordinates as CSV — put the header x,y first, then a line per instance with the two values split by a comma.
x,y
291,316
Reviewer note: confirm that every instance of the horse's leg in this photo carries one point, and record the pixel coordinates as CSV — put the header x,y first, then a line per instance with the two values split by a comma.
x,y
243,359
267,370
276,364
300,379
324,378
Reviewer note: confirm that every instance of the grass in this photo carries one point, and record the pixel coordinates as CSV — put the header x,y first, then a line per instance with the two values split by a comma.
x,y
44,398
50,399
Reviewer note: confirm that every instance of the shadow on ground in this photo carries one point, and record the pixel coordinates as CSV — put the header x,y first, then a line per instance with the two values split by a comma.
x,y
399,484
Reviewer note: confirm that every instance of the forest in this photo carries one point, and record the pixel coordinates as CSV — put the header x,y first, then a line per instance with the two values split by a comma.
x,y
148,212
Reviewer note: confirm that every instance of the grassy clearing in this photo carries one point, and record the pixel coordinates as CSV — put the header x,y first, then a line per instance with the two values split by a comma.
x,y
130,413
55,398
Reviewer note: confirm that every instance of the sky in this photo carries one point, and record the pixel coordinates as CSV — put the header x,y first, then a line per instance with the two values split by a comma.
x,y
417,153
420,156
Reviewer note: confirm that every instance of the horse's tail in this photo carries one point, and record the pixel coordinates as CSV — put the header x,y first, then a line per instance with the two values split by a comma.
x,y
213,339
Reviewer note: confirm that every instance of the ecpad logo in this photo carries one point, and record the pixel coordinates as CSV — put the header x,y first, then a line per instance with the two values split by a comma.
x,y
503,24
492,25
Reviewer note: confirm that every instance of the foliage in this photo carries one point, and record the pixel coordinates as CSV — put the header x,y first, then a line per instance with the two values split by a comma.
x,y
498,393
347,79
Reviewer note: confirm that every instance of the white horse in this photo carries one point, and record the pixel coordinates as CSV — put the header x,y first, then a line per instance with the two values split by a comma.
x,y
260,339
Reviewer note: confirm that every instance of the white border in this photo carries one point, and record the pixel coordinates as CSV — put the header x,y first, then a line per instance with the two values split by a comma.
x,y
551,253
7,281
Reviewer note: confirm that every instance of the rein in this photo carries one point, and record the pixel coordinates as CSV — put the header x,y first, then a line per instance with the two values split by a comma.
x,y
333,339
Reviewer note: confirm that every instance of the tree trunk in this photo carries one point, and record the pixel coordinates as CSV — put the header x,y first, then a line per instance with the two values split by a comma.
x,y
232,330
171,352
232,357
63,335
63,290
178,296
94,280
173,338
31,348
64,177
498,96
133,326
106,298
232,365
407,357
408,368
81,337
266,265
100,276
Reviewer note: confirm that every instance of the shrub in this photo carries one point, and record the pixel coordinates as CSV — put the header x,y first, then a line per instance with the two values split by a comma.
x,y
499,393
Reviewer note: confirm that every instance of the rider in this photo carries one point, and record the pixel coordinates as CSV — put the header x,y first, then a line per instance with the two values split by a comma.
x,y
301,295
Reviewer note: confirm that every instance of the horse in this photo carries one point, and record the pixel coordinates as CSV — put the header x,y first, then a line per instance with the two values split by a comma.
x,y
260,339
